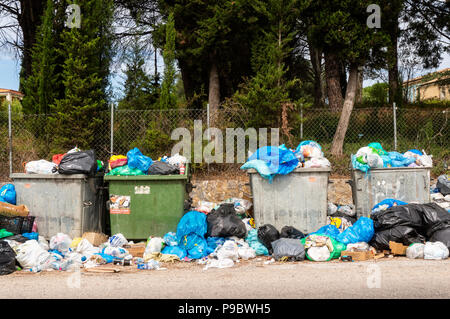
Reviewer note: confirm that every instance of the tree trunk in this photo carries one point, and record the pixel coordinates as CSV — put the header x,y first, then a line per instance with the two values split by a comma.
x,y
393,63
316,62
359,88
339,136
214,93
332,74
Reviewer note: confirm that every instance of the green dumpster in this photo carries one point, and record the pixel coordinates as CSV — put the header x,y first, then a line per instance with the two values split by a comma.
x,y
146,205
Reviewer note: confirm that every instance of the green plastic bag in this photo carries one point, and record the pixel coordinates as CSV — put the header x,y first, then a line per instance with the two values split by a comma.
x,y
338,247
125,170
4,233
377,148
253,242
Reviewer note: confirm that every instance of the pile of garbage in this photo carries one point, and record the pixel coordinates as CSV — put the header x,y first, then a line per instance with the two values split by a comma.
x,y
74,161
440,192
374,156
270,161
341,216
135,163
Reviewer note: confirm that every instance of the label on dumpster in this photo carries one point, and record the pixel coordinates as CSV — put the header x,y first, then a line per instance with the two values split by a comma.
x,y
120,204
142,190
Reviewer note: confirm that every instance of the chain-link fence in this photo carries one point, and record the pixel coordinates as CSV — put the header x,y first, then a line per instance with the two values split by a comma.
x,y
150,131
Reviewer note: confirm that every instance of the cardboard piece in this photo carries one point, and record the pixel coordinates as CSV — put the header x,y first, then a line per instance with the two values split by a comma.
x,y
10,210
136,250
397,248
358,255
95,239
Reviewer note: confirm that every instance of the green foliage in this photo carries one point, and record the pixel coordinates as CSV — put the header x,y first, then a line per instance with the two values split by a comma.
x,y
155,142
16,106
376,94
85,78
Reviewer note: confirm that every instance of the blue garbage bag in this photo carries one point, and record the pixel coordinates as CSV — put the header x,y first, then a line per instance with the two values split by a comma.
x,y
188,242
138,160
415,151
255,244
360,166
170,239
279,160
260,166
399,160
213,242
175,250
328,230
196,246
8,194
31,236
309,142
390,202
106,257
387,162
191,222
361,231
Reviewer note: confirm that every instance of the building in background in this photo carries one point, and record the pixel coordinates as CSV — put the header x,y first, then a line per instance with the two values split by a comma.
x,y
434,86
10,95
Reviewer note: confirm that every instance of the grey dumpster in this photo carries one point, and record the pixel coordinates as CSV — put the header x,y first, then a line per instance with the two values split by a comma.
x,y
403,183
298,199
70,204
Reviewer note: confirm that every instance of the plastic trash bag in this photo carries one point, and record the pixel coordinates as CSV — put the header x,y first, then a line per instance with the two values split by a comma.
x,y
117,161
223,222
362,246
425,160
400,234
267,234
162,168
219,263
213,242
317,162
443,185
7,259
125,171
327,230
341,223
4,233
176,160
241,206
154,245
246,252
331,209
116,252
442,235
138,160
374,161
117,240
30,254
288,247
435,251
255,244
191,222
309,149
319,253
377,148
78,163
61,242
415,251
361,231
318,240
291,232
196,246
387,203
8,194
229,250
170,239
190,241
40,167
364,167
175,250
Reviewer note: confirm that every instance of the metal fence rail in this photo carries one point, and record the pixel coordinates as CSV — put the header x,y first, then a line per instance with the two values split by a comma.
x,y
150,130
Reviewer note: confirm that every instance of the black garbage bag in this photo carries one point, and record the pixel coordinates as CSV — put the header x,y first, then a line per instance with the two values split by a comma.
x,y
267,234
443,236
291,232
223,222
19,238
400,234
163,168
434,218
352,220
443,184
78,163
288,247
7,259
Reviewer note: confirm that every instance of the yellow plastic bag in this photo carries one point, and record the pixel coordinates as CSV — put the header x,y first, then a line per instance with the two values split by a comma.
x,y
117,161
75,242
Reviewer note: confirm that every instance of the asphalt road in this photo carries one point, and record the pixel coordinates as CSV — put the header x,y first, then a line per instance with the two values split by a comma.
x,y
385,278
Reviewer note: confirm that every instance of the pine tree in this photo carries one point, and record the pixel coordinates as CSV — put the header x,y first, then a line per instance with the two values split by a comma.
x,y
44,85
85,77
168,89
139,91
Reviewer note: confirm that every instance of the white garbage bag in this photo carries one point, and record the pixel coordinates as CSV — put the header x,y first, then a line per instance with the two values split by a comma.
x,y
219,263
177,159
435,250
40,167
319,253
246,252
30,254
61,242
43,243
228,250
117,240
155,245
415,251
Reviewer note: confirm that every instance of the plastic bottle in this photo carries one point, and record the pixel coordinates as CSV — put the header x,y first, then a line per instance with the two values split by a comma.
x,y
36,269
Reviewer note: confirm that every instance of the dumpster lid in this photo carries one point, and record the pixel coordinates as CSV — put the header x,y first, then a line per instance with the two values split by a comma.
x,y
299,170
50,176
145,177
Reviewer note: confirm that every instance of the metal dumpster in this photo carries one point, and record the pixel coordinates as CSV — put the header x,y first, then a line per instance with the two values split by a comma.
x,y
70,204
403,183
298,199
146,205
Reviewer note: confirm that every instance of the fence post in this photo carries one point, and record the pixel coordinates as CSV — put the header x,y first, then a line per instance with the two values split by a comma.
x,y
112,129
10,140
301,121
395,126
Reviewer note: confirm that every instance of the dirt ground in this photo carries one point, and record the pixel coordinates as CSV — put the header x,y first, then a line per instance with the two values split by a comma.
x,y
388,278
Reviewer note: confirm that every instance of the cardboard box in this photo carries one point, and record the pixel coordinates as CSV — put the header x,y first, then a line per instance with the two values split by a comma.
x,y
397,248
95,239
136,250
358,255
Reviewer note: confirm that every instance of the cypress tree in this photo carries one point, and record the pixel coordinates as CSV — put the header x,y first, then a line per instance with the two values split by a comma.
x,y
168,89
